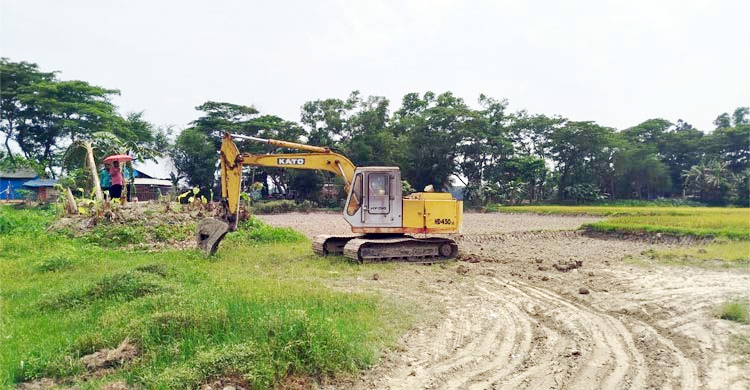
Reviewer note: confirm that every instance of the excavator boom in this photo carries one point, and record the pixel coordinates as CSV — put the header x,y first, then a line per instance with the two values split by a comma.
x,y
232,161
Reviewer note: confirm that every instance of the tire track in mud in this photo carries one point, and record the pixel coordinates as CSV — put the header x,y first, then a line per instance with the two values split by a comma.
x,y
528,337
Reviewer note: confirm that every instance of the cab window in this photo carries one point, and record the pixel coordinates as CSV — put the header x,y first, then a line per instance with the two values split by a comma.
x,y
378,199
355,200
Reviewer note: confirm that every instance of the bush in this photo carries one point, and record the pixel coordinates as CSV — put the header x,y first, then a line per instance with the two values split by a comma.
x,y
55,263
281,206
736,310
118,287
256,230
26,220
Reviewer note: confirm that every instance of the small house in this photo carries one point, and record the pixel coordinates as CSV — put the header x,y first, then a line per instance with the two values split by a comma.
x,y
43,190
11,181
147,188
152,179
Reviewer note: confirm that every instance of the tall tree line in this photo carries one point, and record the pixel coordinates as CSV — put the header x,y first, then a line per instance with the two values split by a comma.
x,y
436,139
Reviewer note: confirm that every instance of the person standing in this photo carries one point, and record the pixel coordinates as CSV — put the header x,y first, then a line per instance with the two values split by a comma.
x,y
105,180
115,190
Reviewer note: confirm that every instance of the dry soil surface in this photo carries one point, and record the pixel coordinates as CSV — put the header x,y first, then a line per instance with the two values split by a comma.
x,y
534,304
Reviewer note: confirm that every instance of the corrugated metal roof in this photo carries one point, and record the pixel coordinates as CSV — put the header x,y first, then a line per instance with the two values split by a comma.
x,y
40,183
153,182
19,173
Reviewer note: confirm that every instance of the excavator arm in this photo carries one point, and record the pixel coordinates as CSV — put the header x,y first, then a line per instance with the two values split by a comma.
x,y
232,161
211,232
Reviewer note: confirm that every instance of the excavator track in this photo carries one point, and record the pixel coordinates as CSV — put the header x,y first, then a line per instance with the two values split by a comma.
x,y
324,244
406,249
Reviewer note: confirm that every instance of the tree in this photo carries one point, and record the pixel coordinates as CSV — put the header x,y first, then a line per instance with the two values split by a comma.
x,y
525,175
484,145
431,128
731,145
649,132
17,80
135,130
195,157
326,120
723,120
583,152
709,181
741,116
639,171
58,112
530,133
224,117
680,148
370,139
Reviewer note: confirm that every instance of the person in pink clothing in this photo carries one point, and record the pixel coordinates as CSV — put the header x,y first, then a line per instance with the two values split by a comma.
x,y
115,190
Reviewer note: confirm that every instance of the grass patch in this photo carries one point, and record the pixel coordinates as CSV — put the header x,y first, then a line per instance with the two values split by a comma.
x,y
262,309
737,310
719,224
723,254
118,235
118,287
24,220
257,231
54,263
281,206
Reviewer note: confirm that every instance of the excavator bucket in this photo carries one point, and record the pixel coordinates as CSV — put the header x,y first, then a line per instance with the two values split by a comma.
x,y
210,233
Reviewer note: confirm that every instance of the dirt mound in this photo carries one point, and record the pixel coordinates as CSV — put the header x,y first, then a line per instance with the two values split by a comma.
x,y
104,359
144,225
649,237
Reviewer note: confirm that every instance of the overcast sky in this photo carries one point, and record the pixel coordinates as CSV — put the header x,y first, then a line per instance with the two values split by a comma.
x,y
618,63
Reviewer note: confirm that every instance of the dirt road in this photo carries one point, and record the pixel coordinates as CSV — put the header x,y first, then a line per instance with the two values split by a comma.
x,y
533,304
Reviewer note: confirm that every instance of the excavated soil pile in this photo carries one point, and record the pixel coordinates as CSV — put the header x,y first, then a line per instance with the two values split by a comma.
x,y
156,222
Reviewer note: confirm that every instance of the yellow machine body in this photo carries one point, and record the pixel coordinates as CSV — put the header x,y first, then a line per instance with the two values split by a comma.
x,y
432,212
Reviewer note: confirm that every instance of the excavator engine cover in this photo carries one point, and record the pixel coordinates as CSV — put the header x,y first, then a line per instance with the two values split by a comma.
x,y
210,233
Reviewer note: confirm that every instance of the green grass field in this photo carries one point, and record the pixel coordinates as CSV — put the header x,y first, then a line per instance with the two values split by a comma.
x,y
261,309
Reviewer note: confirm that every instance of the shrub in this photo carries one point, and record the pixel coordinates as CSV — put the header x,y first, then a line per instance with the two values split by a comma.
x,y
55,263
281,206
26,220
736,310
118,287
256,230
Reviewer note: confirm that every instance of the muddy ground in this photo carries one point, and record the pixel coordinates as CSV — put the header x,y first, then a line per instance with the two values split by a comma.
x,y
534,304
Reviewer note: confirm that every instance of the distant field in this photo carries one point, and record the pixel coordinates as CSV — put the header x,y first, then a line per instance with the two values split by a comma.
x,y
730,226
729,223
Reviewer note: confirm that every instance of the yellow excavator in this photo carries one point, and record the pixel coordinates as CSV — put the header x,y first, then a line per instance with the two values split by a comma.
x,y
387,225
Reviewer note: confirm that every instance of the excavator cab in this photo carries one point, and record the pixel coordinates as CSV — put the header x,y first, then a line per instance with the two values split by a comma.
x,y
374,200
